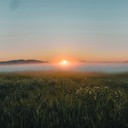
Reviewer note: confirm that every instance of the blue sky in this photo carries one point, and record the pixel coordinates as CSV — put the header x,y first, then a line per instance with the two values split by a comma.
x,y
46,29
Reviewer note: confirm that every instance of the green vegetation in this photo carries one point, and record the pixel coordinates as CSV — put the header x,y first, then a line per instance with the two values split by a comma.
x,y
63,100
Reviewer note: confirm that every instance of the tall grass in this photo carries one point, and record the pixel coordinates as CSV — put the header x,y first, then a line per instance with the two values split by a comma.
x,y
63,100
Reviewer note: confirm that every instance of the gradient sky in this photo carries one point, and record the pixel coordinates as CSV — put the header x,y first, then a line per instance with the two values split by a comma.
x,y
47,29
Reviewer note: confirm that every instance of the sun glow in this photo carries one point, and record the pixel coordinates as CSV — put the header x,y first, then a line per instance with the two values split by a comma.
x,y
64,62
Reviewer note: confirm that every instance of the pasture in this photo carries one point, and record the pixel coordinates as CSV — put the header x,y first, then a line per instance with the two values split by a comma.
x,y
63,100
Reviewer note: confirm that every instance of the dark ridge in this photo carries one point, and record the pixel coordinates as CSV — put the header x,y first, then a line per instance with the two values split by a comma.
x,y
22,61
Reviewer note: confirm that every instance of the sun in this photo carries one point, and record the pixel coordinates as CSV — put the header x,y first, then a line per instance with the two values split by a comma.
x,y
64,62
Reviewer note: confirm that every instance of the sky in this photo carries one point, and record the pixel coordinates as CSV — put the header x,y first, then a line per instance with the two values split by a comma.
x,y
90,30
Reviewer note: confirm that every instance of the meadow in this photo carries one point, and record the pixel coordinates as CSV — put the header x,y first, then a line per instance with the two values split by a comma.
x,y
63,100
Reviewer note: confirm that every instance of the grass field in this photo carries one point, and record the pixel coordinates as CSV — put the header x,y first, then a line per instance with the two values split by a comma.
x,y
63,100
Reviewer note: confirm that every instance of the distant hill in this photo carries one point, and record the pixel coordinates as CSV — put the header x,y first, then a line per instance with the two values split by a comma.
x,y
83,61
22,61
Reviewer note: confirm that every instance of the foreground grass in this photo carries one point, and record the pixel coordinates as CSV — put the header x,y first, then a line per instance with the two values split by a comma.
x,y
63,100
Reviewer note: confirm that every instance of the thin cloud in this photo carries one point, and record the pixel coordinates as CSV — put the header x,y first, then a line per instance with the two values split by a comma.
x,y
14,4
